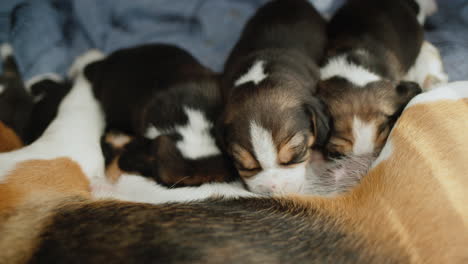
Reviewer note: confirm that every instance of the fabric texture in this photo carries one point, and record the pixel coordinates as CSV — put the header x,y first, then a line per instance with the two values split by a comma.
x,y
47,35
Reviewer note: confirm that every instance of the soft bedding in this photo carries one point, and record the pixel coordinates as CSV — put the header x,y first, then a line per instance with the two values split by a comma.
x,y
48,34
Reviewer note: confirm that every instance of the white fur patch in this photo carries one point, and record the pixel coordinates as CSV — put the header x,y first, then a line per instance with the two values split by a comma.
x,y
6,50
138,189
255,74
279,180
428,65
84,59
263,146
426,8
340,67
450,91
152,132
2,89
364,137
75,133
197,141
273,178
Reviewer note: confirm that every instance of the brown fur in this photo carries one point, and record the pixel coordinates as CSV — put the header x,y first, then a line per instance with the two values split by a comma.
x,y
417,197
57,176
8,139
379,103
411,207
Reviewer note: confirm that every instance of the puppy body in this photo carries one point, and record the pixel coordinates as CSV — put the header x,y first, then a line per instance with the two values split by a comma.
x,y
55,141
171,102
372,46
272,118
403,212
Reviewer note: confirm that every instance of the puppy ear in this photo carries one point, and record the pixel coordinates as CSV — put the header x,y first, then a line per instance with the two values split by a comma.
x,y
320,119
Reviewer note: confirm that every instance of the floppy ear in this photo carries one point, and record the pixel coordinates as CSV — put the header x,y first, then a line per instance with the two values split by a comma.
x,y
320,120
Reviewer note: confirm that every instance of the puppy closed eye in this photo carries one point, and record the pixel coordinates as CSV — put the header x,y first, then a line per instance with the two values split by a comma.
x,y
339,145
247,173
295,149
245,162
297,159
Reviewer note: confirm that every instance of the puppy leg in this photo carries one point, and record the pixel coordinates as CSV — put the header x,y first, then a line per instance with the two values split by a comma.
x,y
428,70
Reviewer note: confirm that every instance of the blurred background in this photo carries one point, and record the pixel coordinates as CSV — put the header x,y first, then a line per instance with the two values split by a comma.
x,y
47,35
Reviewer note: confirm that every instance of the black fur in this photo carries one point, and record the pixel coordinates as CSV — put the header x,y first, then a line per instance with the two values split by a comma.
x,y
379,28
15,103
216,231
289,36
51,94
151,85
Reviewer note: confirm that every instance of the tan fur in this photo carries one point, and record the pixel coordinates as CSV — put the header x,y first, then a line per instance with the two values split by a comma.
x,y
113,172
21,227
246,159
117,140
27,197
57,176
8,139
287,150
418,197
374,105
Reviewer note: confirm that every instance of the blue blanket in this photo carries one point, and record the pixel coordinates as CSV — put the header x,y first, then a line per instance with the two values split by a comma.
x,y
48,34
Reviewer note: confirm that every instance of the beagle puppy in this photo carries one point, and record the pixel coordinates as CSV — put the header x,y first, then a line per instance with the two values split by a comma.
x,y
167,102
272,118
410,208
374,48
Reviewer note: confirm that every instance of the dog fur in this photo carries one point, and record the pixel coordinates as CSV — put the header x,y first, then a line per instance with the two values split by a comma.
x,y
372,46
404,211
272,118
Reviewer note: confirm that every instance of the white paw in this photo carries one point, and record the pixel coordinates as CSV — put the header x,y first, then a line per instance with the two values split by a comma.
x,y
428,69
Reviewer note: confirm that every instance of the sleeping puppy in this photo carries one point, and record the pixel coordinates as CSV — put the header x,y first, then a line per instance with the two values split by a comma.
x,y
15,102
372,46
164,98
404,211
271,118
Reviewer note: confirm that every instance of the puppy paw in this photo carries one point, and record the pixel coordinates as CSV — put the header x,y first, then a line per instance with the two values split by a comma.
x,y
428,69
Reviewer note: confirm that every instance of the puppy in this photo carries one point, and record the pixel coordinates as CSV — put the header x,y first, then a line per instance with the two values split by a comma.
x,y
271,117
15,103
47,215
164,98
372,46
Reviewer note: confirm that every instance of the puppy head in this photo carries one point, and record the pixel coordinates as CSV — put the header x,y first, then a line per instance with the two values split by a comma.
x,y
268,131
363,116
